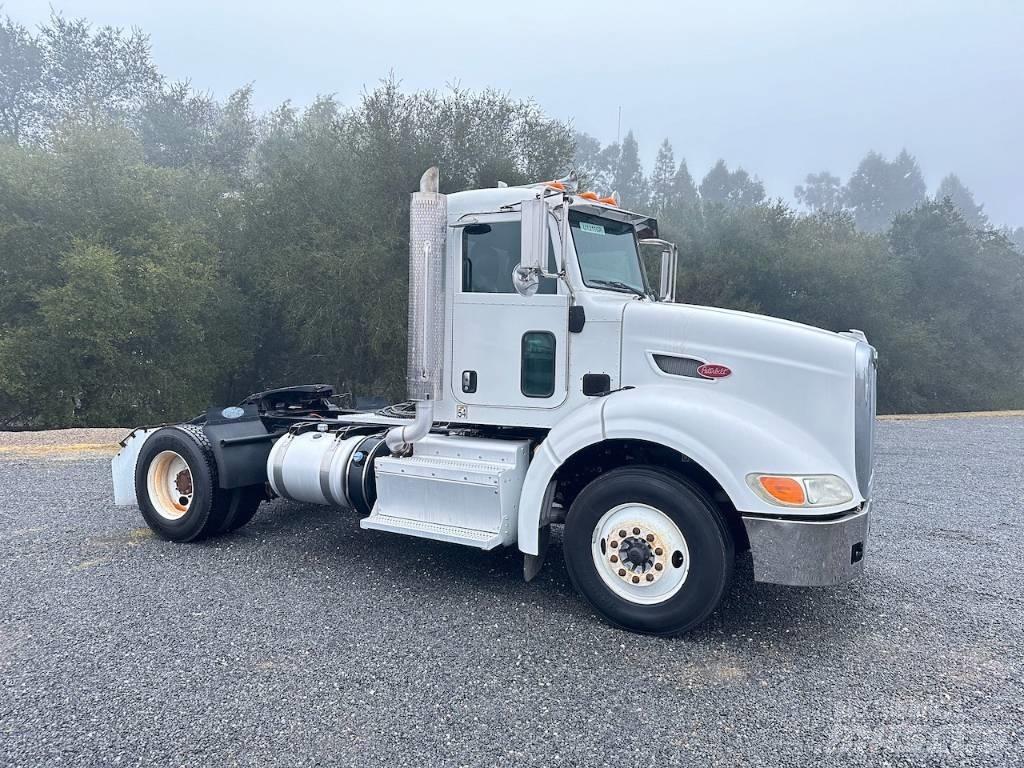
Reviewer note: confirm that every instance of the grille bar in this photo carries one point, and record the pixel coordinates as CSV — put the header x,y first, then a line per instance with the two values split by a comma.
x,y
679,366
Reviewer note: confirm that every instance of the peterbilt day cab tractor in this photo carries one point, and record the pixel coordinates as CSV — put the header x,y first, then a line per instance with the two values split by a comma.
x,y
550,384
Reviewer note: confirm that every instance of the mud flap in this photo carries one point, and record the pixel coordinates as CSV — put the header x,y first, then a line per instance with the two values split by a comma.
x,y
533,563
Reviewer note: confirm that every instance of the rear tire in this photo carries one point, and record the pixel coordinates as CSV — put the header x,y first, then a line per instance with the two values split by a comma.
x,y
649,551
242,507
178,490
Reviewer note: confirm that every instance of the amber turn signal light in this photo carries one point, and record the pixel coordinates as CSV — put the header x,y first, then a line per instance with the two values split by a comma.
x,y
784,489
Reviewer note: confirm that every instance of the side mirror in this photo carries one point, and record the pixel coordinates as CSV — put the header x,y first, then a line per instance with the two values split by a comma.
x,y
526,275
669,266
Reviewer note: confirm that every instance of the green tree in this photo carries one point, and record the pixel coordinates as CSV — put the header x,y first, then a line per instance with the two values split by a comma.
x,y
21,81
629,180
596,165
662,178
1016,237
685,198
960,311
117,308
94,76
953,189
820,192
180,127
681,220
731,188
879,189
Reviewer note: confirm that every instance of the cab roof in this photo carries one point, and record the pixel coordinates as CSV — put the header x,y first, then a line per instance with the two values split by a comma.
x,y
494,199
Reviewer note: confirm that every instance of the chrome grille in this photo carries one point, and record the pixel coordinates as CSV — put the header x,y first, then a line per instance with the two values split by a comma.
x,y
864,425
679,366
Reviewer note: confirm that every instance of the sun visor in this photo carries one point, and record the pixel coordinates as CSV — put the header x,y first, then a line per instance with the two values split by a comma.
x,y
646,226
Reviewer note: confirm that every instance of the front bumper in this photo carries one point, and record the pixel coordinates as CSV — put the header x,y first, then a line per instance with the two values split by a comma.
x,y
809,553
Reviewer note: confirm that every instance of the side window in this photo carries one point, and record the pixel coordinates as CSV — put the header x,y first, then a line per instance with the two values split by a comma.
x,y
489,254
537,374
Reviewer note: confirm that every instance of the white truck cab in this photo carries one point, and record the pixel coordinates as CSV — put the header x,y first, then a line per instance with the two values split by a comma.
x,y
551,384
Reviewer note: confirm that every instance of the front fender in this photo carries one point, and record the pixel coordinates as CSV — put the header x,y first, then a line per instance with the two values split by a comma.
x,y
728,437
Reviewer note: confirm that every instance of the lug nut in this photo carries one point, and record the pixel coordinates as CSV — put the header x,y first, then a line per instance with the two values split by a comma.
x,y
636,531
658,566
650,537
615,558
650,577
636,579
659,551
622,571
622,534
614,544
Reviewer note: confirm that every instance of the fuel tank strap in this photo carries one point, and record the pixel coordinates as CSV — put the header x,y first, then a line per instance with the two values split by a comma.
x,y
325,473
279,467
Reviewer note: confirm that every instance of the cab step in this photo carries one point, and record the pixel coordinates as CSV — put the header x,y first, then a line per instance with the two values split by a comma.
x,y
426,530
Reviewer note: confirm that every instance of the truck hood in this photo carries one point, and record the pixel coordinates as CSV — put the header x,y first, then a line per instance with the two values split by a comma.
x,y
803,374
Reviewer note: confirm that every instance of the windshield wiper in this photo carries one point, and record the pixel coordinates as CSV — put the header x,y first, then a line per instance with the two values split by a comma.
x,y
620,285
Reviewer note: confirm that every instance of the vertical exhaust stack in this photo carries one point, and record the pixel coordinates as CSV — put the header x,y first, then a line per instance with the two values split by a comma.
x,y
428,224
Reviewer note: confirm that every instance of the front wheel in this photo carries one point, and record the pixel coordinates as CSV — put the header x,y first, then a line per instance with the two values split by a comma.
x,y
648,550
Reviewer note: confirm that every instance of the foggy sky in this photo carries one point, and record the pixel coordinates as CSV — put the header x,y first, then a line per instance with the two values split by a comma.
x,y
782,88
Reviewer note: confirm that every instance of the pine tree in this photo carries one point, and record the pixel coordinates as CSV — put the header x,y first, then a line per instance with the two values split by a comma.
x,y
684,189
662,179
629,181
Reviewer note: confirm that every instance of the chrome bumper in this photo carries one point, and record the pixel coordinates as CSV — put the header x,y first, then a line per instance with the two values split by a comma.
x,y
809,553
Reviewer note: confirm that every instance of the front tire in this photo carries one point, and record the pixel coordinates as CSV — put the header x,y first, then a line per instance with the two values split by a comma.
x,y
648,550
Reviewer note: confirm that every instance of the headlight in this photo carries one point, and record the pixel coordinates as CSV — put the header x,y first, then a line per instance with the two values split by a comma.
x,y
801,490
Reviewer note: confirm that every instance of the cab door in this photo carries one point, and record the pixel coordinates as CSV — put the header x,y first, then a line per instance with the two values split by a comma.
x,y
508,350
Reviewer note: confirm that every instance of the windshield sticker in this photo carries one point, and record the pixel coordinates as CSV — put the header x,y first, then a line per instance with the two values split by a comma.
x,y
586,226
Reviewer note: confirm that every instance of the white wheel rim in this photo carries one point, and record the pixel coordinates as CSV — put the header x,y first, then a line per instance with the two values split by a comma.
x,y
640,553
169,484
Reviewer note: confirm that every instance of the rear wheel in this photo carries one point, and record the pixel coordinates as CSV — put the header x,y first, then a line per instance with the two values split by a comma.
x,y
177,487
648,550
242,507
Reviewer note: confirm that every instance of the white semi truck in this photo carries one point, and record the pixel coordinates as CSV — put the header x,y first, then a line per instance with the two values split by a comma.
x,y
550,384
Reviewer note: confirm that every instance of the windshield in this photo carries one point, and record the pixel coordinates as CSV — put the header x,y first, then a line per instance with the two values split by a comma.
x,y
607,253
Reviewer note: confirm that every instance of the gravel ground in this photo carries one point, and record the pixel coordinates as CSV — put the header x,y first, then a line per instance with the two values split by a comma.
x,y
302,640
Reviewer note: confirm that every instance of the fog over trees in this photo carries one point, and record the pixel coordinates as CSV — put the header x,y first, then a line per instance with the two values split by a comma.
x,y
162,250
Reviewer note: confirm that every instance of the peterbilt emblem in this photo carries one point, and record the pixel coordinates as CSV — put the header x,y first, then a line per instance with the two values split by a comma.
x,y
714,371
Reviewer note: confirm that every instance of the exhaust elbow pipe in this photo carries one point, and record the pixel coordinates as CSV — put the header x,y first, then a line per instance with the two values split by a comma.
x,y
399,440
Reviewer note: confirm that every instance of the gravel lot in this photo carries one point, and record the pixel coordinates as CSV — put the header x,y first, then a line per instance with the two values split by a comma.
x,y
305,641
